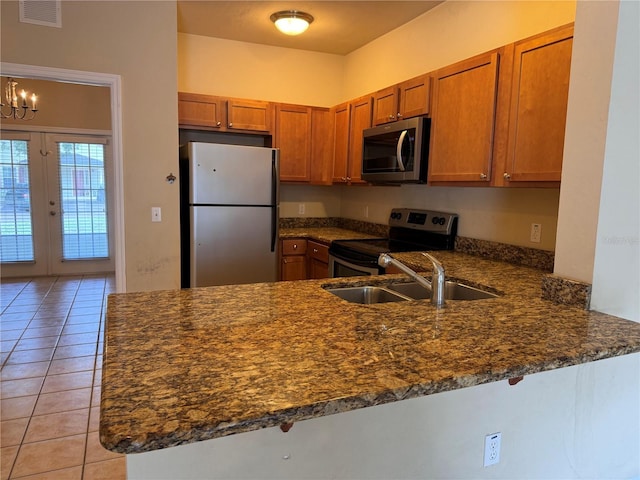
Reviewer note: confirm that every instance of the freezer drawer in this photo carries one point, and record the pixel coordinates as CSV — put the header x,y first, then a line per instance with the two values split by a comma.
x,y
232,245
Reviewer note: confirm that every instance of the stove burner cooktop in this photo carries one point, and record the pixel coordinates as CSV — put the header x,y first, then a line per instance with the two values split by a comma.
x,y
409,230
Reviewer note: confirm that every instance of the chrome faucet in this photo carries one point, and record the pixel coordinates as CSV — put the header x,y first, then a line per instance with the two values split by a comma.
x,y
436,285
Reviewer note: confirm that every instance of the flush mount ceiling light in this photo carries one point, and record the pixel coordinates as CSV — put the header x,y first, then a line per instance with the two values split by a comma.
x,y
291,22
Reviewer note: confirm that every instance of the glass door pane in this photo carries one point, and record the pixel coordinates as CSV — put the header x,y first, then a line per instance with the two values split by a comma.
x,y
16,230
83,199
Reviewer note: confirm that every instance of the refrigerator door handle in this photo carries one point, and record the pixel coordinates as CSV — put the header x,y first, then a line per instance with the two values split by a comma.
x,y
274,199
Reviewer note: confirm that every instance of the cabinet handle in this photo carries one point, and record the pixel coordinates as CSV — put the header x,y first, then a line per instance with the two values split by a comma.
x,y
483,176
230,125
507,176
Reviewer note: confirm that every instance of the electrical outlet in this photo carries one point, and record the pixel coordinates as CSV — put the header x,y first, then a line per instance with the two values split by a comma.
x,y
492,449
301,209
366,211
156,214
536,232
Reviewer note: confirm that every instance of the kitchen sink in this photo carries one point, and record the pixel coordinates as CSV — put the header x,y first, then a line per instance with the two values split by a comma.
x,y
368,294
452,291
398,292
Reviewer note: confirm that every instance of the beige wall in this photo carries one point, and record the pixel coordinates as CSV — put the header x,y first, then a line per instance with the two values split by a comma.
x,y
452,31
248,70
66,105
136,40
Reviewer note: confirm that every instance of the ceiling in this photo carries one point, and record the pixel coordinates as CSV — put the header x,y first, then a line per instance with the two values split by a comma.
x,y
338,27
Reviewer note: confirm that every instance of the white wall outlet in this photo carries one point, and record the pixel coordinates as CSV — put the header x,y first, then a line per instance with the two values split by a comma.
x,y
536,232
492,449
156,214
301,208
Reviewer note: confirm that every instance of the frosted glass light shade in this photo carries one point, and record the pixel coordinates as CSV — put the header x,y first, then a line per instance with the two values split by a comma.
x,y
291,22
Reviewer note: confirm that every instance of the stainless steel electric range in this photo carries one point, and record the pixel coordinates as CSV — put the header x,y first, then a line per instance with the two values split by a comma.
x,y
410,230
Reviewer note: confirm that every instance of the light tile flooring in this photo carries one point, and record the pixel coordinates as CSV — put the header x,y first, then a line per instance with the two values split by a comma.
x,y
51,338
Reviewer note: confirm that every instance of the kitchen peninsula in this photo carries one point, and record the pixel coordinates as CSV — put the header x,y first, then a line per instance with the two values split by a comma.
x,y
191,365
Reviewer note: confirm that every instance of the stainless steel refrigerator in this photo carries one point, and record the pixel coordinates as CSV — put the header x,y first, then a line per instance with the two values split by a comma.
x,y
229,214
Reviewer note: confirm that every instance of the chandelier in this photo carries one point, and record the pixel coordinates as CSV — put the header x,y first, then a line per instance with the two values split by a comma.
x,y
18,109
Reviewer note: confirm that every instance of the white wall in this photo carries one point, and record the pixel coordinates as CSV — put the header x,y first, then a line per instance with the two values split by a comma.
x,y
616,272
562,424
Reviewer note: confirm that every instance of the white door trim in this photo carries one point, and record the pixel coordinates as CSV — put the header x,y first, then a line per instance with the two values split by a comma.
x,y
114,84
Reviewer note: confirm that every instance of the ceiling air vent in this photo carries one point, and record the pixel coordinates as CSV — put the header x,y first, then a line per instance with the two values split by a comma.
x,y
41,12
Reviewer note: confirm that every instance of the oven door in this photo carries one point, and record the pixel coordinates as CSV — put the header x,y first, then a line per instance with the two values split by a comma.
x,y
339,267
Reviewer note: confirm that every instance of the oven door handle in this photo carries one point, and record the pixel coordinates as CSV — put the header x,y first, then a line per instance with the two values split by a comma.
x,y
399,150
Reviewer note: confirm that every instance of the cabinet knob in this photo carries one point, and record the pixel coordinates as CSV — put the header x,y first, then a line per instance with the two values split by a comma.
x,y
391,117
344,179
295,246
483,176
399,115
230,125
315,250
348,179
507,176
218,124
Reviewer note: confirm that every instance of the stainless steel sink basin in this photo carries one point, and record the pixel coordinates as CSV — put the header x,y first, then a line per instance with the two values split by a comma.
x,y
452,291
368,294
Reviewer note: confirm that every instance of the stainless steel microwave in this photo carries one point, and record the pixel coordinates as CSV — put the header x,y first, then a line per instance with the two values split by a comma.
x,y
396,152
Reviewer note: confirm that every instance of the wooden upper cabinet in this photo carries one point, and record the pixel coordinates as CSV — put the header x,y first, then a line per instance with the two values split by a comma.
x,y
293,138
322,131
538,110
254,115
410,98
361,113
341,121
464,103
200,111
385,105
415,97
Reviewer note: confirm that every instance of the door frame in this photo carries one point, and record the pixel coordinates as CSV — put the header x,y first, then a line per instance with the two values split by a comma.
x,y
114,82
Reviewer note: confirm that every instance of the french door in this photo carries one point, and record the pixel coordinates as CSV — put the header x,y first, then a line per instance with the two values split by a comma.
x,y
55,204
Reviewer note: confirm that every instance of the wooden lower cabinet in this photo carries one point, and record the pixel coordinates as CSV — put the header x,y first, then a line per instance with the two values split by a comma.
x,y
318,260
293,263
303,259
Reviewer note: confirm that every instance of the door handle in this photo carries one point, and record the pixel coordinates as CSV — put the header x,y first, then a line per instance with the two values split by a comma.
x,y
399,150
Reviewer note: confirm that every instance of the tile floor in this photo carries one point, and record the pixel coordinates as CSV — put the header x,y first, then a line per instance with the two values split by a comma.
x,y
51,337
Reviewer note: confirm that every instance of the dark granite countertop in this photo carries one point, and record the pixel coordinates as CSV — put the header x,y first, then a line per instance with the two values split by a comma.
x,y
323,234
182,366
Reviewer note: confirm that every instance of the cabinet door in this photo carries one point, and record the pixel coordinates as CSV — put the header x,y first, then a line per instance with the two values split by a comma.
x,y
361,110
540,89
252,115
463,121
415,97
341,116
321,146
385,105
318,255
293,268
199,110
293,138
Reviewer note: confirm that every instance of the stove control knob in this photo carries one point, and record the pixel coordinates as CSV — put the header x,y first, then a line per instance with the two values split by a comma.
x,y
435,220
442,221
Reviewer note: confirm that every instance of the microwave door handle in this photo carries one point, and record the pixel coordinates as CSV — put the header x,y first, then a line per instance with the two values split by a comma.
x,y
399,150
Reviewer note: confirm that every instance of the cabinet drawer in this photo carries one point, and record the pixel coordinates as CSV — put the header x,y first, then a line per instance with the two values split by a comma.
x,y
318,251
295,246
